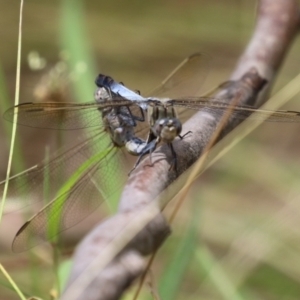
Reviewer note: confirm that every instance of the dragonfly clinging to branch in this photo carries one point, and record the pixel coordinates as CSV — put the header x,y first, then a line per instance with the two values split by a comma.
x,y
121,111
164,124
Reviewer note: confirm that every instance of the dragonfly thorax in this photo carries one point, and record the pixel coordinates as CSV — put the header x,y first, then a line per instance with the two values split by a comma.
x,y
118,126
118,121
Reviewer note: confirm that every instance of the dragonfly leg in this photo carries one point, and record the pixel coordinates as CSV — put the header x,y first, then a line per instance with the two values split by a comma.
x,y
109,92
132,117
174,160
182,136
142,118
136,118
153,145
149,148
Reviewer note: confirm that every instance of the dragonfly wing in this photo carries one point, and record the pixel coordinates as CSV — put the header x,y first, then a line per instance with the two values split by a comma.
x,y
238,111
41,180
66,210
265,115
70,177
55,115
186,79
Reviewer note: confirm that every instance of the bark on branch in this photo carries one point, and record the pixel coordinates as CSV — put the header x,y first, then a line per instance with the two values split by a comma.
x,y
276,26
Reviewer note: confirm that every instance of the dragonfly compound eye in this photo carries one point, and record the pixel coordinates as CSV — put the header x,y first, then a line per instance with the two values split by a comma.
x,y
101,94
167,129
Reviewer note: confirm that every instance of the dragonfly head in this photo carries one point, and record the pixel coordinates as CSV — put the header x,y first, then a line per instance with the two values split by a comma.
x,y
167,129
102,94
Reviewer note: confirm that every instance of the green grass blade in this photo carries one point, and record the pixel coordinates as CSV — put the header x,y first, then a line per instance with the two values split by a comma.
x,y
216,274
12,283
74,42
63,272
17,96
17,163
82,64
170,280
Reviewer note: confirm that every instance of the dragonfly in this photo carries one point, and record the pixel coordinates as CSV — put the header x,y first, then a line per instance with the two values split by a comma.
x,y
89,166
163,119
165,125
117,103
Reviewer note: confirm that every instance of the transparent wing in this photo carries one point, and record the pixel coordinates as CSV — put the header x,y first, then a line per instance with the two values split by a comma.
x,y
186,79
58,115
238,111
63,212
77,170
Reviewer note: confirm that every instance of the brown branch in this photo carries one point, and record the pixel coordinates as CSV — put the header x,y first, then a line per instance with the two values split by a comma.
x,y
277,24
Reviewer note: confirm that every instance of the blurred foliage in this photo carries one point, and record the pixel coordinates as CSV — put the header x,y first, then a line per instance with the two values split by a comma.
x,y
245,240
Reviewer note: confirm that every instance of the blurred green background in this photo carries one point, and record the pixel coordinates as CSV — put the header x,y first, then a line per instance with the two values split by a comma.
x,y
237,235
